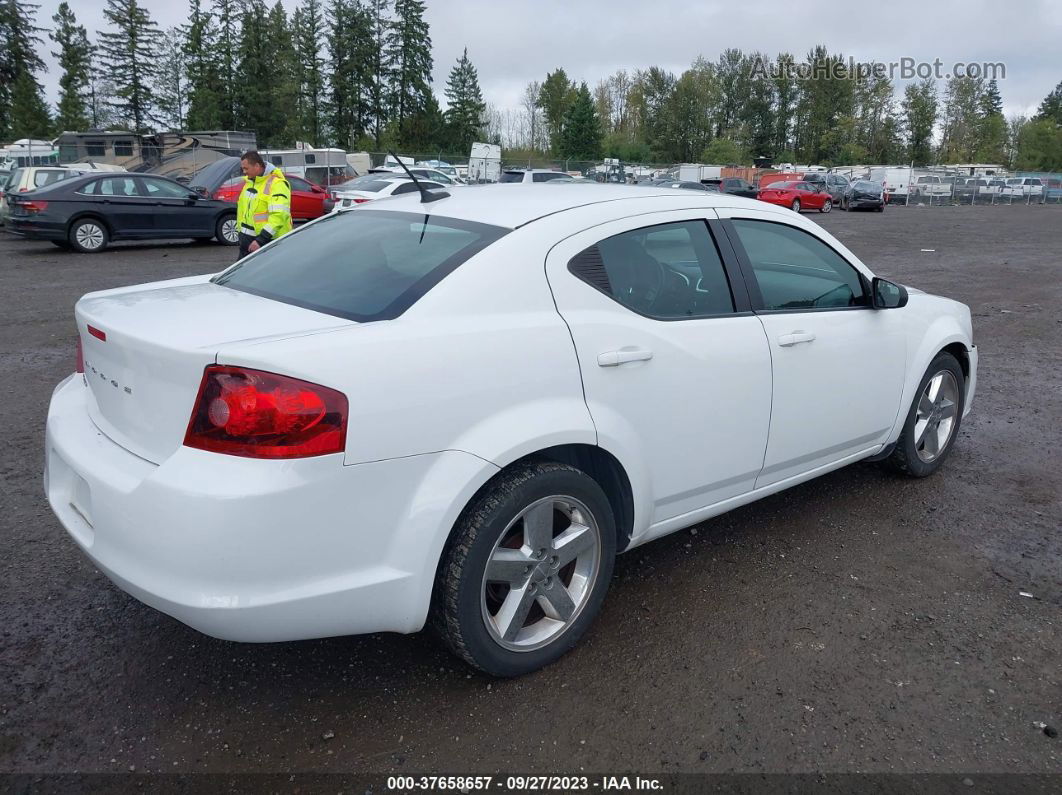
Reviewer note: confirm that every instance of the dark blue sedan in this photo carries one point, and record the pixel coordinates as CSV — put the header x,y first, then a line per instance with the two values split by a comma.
x,y
87,213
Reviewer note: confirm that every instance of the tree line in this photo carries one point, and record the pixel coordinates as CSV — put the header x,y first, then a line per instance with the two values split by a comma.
x,y
357,74
349,73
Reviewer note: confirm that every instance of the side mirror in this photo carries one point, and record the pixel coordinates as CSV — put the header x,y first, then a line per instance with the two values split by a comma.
x,y
887,295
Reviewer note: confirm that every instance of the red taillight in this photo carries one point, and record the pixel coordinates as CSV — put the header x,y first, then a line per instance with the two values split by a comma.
x,y
256,414
80,356
34,207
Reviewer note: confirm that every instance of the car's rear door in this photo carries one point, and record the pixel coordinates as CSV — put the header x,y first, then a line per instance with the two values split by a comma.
x,y
676,369
304,202
123,204
838,364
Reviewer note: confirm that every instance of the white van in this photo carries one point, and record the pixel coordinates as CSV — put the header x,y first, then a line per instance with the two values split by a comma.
x,y
896,179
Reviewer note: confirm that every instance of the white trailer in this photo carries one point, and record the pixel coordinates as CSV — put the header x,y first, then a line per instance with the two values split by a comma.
x,y
695,172
484,163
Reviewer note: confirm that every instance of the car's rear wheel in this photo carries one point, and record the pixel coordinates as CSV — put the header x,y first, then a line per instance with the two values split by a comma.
x,y
226,232
881,207
826,206
88,236
932,421
526,570
796,205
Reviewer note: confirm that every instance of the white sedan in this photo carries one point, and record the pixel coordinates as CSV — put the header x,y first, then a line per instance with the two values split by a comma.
x,y
375,186
458,411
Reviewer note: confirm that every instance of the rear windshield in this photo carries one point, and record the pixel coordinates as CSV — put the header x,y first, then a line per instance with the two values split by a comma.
x,y
369,183
365,265
512,176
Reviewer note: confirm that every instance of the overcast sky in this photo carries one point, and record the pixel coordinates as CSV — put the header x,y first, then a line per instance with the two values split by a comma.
x,y
512,42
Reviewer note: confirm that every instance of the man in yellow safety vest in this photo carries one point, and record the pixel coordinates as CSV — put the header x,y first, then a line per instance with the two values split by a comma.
x,y
263,212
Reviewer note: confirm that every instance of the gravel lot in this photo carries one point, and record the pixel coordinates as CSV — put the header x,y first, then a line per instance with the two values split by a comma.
x,y
860,622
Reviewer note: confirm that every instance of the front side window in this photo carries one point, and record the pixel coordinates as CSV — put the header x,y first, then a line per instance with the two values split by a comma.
x,y
796,270
364,265
668,272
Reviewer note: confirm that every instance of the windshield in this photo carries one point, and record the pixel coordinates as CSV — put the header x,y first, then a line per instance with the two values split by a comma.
x,y
366,265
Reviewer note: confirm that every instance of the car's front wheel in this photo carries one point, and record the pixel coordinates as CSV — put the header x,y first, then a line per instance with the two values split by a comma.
x,y
526,570
932,421
88,236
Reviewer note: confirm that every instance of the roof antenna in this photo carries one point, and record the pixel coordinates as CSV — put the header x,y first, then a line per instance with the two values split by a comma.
x,y
425,195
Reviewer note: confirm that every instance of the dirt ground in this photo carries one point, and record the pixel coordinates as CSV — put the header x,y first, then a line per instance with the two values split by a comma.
x,y
858,623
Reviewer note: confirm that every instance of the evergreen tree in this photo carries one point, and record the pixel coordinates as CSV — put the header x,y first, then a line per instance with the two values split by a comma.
x,y
284,74
379,76
686,124
555,97
255,108
581,130
757,113
464,115
129,54
653,89
424,131
1051,108
308,33
825,101
171,81
23,111
961,134
224,47
75,59
205,111
100,99
732,71
350,49
786,93
992,129
920,117
408,55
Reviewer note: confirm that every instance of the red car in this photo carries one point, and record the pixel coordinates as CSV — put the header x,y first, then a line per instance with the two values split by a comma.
x,y
798,196
308,201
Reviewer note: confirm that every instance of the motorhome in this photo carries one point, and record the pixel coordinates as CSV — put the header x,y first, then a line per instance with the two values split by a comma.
x,y
170,154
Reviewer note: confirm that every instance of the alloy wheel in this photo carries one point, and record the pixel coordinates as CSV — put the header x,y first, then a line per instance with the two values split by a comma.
x,y
89,236
540,574
796,205
228,230
935,416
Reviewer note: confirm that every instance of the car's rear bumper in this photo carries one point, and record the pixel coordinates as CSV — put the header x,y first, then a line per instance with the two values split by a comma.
x,y
255,550
35,229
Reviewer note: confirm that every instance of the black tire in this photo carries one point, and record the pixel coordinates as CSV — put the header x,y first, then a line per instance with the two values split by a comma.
x,y
905,458
458,614
826,206
796,205
220,228
880,208
88,235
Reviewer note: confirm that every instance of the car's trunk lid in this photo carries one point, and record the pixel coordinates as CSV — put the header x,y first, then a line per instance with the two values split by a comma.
x,y
147,347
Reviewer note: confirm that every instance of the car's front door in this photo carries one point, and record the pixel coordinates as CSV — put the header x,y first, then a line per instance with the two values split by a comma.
x,y
838,363
676,370
178,210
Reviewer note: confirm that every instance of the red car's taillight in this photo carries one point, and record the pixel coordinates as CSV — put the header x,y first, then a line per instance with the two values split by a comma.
x,y
256,414
80,356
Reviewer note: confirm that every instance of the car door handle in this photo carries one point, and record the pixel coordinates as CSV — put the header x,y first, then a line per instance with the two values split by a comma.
x,y
622,356
795,338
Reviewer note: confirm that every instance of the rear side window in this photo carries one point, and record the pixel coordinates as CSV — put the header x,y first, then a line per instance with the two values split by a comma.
x,y
114,186
42,178
365,265
796,270
512,176
668,272
544,177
